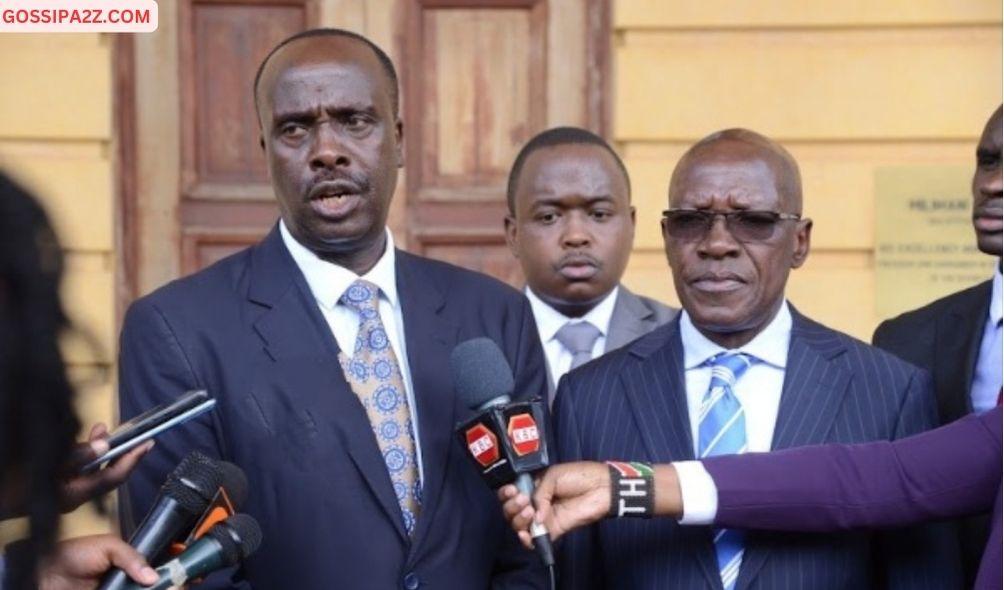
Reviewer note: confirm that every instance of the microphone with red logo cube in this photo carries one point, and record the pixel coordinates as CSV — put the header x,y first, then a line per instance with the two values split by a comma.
x,y
505,439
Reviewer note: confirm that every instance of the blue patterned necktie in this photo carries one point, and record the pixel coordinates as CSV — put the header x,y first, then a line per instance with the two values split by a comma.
x,y
722,431
375,377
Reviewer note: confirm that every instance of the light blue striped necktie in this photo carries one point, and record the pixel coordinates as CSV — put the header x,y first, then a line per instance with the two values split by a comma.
x,y
722,431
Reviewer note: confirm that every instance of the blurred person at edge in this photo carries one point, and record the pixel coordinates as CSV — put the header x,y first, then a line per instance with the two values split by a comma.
x,y
37,420
958,338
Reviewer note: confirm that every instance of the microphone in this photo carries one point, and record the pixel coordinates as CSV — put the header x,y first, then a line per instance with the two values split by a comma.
x,y
182,499
228,498
505,439
228,543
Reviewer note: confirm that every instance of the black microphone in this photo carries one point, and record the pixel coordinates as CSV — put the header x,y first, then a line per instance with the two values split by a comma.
x,y
506,439
234,481
182,499
228,543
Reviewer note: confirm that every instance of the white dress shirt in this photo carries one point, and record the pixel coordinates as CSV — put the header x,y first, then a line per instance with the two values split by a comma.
x,y
328,282
550,320
758,390
987,376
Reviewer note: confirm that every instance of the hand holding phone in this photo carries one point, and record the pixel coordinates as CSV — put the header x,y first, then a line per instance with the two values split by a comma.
x,y
79,487
149,424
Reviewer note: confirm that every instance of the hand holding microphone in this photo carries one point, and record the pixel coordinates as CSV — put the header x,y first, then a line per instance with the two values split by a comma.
x,y
227,543
79,563
506,439
572,495
189,490
567,497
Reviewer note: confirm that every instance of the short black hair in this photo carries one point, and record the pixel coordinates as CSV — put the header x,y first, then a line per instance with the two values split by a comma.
x,y
385,61
554,137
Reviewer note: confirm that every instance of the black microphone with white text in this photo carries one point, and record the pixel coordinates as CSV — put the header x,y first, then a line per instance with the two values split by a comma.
x,y
505,439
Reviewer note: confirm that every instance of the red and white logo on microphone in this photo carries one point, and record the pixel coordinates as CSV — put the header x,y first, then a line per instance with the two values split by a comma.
x,y
482,444
523,434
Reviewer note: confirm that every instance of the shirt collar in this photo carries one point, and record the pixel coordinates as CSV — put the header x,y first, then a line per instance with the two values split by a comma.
x,y
770,346
550,320
995,296
328,281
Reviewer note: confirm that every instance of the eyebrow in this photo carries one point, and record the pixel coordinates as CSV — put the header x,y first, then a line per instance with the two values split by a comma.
x,y
309,114
557,201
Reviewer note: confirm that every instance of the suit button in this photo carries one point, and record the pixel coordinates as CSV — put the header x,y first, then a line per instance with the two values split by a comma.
x,y
411,581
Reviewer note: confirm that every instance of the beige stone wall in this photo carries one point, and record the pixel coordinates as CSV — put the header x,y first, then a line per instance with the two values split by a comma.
x,y
847,86
56,138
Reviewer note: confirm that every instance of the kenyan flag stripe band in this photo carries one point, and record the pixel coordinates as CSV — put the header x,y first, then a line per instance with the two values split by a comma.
x,y
631,492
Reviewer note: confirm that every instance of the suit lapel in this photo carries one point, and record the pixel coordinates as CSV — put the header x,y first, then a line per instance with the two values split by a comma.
x,y
293,330
656,389
958,336
430,339
629,320
814,387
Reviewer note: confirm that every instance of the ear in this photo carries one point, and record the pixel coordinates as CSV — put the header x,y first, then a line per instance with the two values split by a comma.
x,y
631,210
665,241
399,142
803,239
512,235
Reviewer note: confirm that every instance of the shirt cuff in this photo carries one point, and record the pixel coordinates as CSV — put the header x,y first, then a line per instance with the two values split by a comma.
x,y
698,492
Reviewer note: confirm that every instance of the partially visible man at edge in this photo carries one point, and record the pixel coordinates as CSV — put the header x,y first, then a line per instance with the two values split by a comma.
x,y
571,226
328,352
741,370
959,338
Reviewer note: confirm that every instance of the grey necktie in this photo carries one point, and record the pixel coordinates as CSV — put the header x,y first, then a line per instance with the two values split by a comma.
x,y
578,338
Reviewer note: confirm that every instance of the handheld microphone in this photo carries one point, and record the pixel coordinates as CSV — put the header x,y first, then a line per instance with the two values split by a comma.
x,y
228,498
227,543
183,497
505,439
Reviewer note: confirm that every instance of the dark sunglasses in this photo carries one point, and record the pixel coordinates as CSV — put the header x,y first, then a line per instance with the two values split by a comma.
x,y
745,226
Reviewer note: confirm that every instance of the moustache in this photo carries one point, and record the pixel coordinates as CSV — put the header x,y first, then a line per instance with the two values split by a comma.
x,y
578,258
989,208
326,186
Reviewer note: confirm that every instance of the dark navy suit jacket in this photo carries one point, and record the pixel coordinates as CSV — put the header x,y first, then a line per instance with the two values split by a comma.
x,y
631,405
951,471
944,337
249,331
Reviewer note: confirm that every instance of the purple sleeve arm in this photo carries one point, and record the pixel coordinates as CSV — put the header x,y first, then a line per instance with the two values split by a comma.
x,y
951,471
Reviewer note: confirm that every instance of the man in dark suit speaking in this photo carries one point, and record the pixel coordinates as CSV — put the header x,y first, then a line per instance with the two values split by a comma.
x,y
328,352
959,338
740,370
571,226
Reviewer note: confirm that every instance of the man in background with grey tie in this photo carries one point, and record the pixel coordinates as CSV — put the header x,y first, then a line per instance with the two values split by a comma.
x,y
571,225
739,370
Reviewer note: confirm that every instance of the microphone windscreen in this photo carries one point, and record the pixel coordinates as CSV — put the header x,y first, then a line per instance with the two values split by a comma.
x,y
234,482
193,482
480,372
239,536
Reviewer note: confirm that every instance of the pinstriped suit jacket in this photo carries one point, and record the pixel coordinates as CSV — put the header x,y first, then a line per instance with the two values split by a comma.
x,y
631,404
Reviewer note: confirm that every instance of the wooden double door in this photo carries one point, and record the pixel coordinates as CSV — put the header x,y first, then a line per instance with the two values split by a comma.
x,y
478,77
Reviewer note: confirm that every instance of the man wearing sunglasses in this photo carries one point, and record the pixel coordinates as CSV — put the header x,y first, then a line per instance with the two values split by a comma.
x,y
740,370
